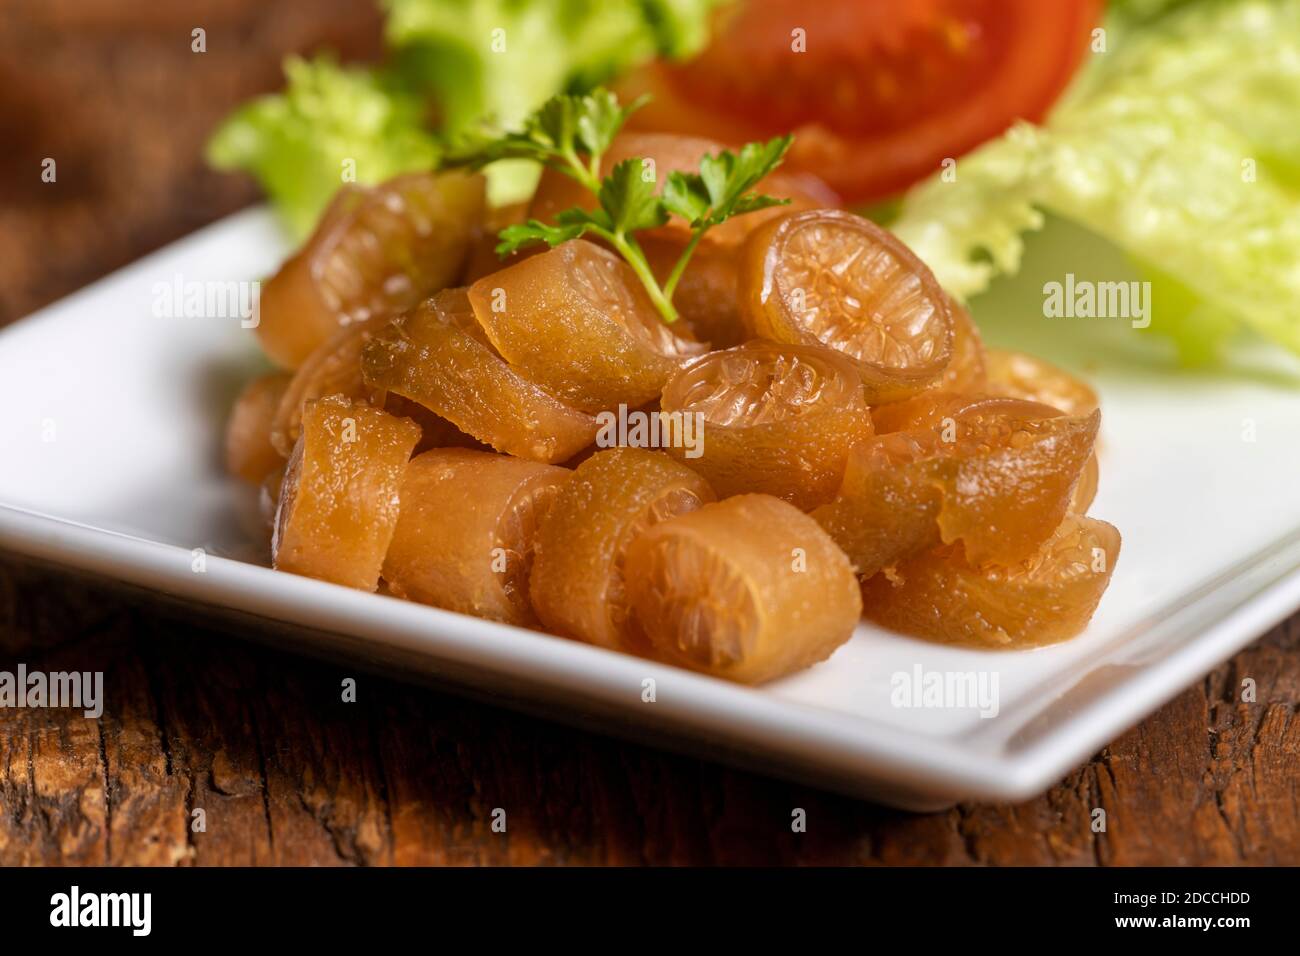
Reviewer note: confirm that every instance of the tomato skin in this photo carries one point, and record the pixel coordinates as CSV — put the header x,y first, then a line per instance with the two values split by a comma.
x,y
884,91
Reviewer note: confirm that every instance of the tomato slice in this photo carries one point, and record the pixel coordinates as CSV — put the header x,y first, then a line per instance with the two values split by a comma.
x,y
883,91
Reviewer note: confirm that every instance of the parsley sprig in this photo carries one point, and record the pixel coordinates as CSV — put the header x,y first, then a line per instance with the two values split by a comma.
x,y
571,134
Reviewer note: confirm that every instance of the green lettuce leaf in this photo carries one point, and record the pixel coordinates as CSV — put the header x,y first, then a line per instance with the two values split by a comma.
x,y
1179,145
330,122
501,59
454,67
494,62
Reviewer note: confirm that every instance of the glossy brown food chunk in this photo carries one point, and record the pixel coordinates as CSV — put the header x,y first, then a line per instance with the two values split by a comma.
x,y
375,252
339,501
831,278
437,355
465,537
706,293
334,368
482,258
967,373
1086,490
887,505
937,412
749,589
578,586
1012,481
996,475
575,320
777,419
250,455
928,411
435,431
1017,375
1048,597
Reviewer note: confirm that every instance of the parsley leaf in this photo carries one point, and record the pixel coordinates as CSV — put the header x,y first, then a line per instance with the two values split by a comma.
x,y
571,134
721,188
527,233
598,118
629,199
685,195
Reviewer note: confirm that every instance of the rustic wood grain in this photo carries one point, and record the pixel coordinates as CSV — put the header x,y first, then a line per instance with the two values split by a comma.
x,y
287,773
262,743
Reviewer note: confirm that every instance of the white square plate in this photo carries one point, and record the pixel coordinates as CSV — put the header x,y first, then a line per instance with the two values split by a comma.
x,y
109,461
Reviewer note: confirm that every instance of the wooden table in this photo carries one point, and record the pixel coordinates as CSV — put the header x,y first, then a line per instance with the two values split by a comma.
x,y
260,741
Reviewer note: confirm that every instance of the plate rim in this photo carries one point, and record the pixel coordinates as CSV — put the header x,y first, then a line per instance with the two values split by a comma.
x,y
857,753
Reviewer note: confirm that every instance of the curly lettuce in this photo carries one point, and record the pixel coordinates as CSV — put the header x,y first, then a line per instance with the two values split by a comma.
x,y
454,65
1180,146
331,124
498,60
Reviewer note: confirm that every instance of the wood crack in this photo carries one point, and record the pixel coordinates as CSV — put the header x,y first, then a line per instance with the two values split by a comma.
x,y
108,796
265,783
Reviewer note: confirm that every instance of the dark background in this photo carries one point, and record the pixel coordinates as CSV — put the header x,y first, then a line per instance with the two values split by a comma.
x,y
285,772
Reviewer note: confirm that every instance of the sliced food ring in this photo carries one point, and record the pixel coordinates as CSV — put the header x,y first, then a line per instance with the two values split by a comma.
x,y
997,475
967,373
576,321
464,541
828,277
1017,481
1027,377
376,252
887,505
251,453
339,502
333,368
578,585
1048,597
769,418
437,356
748,589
